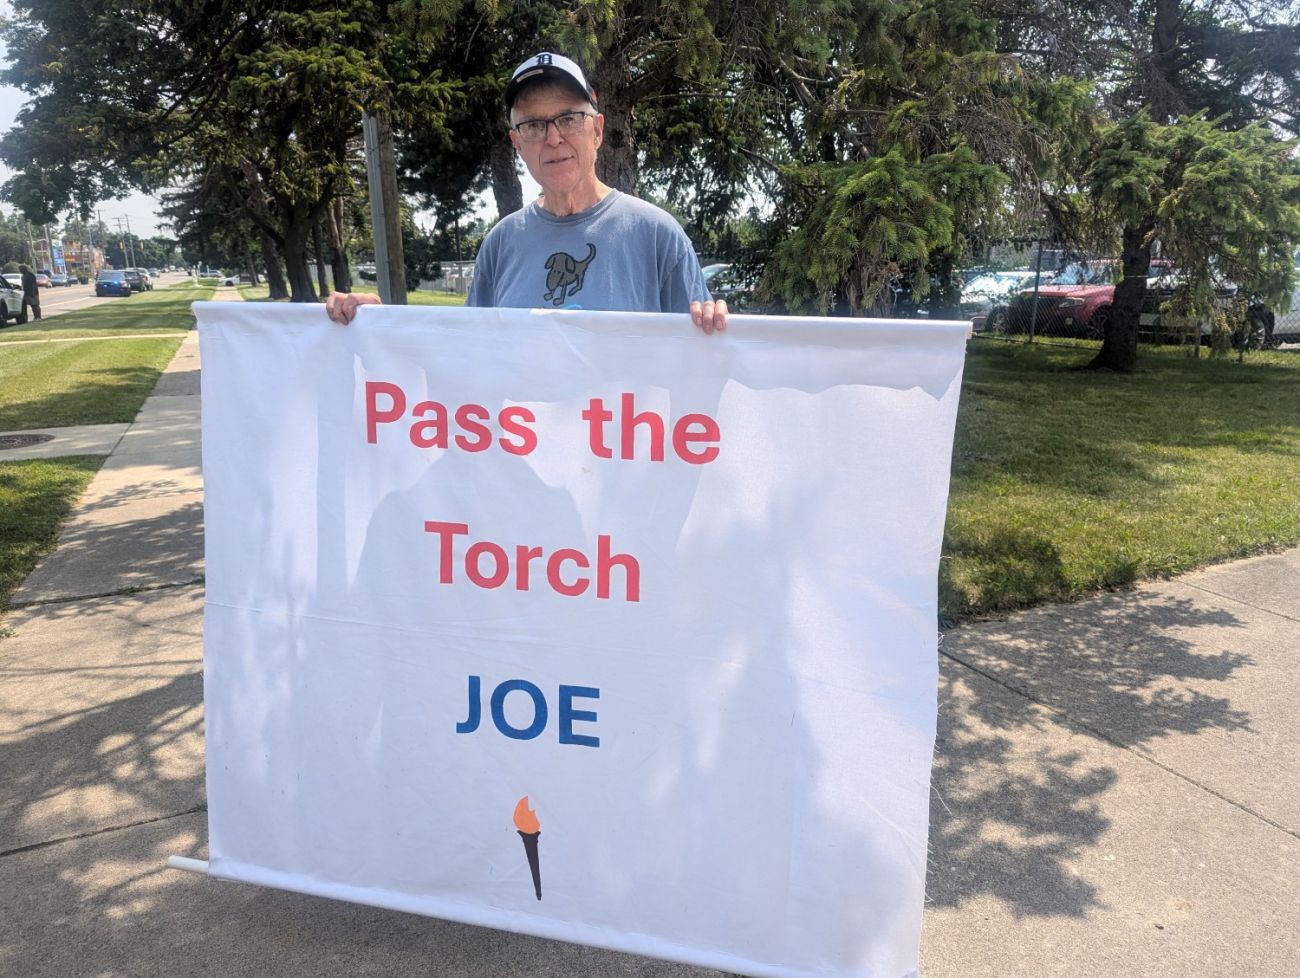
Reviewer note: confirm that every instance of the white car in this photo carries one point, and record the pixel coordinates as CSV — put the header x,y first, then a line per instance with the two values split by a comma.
x,y
11,301
989,289
1286,325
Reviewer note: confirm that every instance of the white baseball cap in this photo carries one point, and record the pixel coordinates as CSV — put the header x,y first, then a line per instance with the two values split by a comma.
x,y
549,67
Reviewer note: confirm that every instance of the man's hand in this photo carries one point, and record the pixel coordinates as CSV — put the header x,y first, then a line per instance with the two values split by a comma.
x,y
342,306
711,315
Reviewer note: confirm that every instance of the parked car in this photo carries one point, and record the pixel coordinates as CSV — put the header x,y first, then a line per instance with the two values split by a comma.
x,y
113,282
11,302
1286,328
146,278
1262,328
230,280
153,273
43,280
724,281
1077,302
14,279
989,289
134,279
60,280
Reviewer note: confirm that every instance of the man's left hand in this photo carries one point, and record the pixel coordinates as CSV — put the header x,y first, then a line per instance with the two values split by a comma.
x,y
711,315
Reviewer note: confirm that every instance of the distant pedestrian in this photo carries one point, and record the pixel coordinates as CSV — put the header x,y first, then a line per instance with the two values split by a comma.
x,y
31,291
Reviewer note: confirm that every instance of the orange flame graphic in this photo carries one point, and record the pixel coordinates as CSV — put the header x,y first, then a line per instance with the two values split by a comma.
x,y
526,818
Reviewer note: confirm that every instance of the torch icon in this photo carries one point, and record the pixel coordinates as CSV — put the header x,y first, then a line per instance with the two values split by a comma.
x,y
529,830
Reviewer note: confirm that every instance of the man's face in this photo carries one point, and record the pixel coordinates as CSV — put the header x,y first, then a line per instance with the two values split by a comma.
x,y
558,163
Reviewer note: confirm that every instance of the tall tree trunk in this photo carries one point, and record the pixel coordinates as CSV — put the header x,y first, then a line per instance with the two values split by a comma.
x,y
251,265
1167,101
616,164
318,249
274,273
506,188
338,252
296,233
1119,344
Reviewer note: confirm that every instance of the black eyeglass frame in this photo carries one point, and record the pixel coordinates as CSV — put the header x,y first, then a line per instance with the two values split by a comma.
x,y
553,121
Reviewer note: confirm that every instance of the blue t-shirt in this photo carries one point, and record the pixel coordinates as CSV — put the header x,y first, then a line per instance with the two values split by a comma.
x,y
622,255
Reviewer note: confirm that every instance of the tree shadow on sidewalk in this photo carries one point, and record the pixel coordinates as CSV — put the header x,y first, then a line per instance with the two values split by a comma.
x,y
101,720
1024,705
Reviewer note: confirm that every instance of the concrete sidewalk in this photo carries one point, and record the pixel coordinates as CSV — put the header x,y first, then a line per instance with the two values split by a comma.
x,y
1116,783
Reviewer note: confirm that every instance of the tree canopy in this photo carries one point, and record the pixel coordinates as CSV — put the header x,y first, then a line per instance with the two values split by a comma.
x,y
851,151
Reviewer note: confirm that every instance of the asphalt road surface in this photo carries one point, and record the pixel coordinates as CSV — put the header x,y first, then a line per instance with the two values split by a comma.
x,y
56,300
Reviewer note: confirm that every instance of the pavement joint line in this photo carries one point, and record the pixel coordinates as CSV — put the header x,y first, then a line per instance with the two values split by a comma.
x,y
1229,597
1102,735
19,850
125,592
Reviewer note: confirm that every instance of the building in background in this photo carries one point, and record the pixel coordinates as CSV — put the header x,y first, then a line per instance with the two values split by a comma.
x,y
82,259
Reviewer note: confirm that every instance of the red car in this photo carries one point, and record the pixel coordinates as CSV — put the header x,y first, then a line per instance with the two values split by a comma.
x,y
1077,301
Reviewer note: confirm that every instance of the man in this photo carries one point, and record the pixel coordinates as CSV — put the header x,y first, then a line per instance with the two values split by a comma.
x,y
583,244
31,291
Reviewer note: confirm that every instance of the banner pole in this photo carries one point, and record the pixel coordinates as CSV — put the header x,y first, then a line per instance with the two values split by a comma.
x,y
188,864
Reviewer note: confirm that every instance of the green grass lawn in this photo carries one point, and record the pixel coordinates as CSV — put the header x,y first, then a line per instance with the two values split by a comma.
x,y
47,385
1065,482
90,375
35,497
262,294
160,311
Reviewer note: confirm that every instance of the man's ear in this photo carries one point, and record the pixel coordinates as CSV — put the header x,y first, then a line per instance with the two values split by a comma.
x,y
598,129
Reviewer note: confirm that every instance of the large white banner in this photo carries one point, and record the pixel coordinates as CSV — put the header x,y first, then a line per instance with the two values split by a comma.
x,y
583,625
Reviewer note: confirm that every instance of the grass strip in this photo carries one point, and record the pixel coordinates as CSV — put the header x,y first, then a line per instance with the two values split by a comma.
x,y
35,498
1068,481
160,311
262,293
49,385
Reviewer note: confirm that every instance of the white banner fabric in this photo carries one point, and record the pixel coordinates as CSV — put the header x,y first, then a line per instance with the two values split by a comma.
x,y
581,625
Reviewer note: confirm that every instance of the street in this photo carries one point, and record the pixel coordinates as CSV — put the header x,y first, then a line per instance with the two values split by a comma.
x,y
55,301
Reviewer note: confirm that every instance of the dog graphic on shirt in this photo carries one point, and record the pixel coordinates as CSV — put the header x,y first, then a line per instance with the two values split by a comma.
x,y
564,275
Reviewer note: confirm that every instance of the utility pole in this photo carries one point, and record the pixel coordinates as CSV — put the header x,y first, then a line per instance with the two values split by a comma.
x,y
103,240
127,251
385,209
130,246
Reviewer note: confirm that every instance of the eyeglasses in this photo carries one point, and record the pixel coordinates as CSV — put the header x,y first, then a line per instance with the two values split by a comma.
x,y
566,124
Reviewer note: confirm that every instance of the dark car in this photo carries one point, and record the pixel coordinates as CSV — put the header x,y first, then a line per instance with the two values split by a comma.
x,y
134,279
110,282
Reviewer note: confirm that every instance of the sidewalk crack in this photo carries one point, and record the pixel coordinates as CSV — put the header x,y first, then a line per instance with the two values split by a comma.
x,y
17,850
1229,597
125,592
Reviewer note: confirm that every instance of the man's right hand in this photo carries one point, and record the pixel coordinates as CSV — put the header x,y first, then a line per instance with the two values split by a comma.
x,y
342,306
